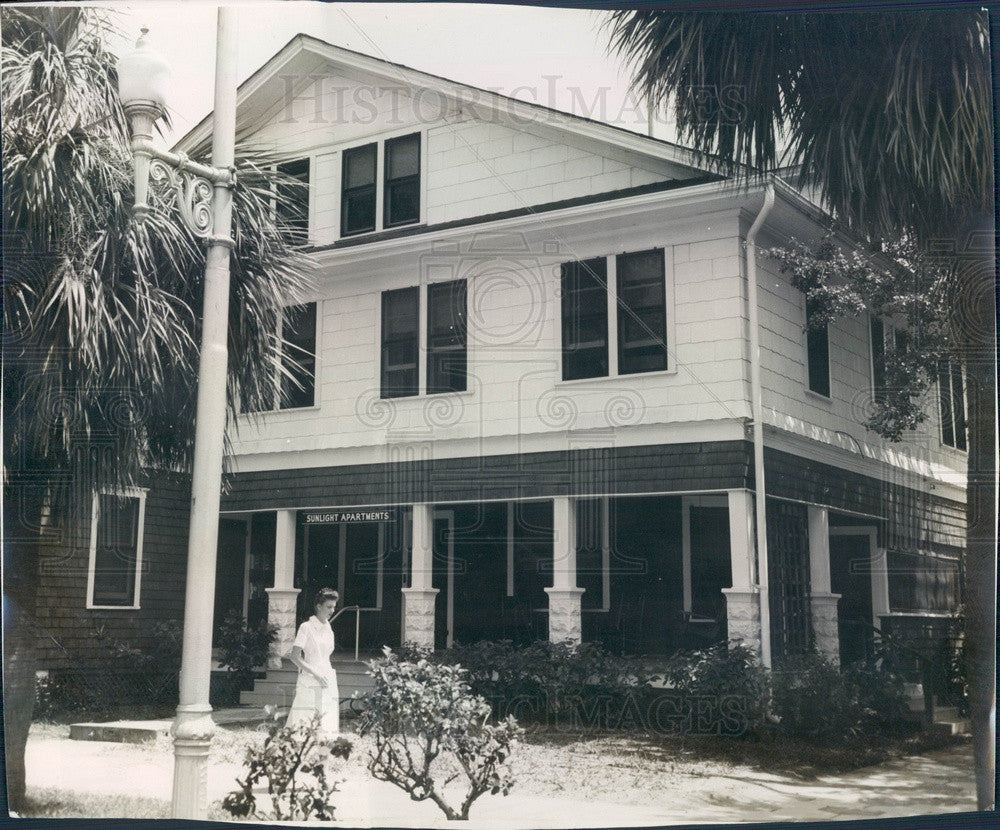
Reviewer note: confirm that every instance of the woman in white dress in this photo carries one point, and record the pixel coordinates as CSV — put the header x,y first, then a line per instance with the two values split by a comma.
x,y
316,690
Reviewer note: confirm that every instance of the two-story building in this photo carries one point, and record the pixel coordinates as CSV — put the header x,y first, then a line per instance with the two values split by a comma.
x,y
552,388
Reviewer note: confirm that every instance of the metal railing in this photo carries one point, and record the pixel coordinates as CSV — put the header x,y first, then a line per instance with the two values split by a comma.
x,y
357,625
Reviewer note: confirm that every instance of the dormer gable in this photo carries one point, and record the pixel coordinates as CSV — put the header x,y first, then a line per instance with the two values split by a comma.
x,y
391,147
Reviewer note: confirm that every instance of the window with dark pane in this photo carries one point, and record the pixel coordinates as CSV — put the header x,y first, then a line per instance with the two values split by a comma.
x,y
446,337
878,359
357,204
402,180
292,198
298,356
642,313
951,397
400,342
585,319
818,353
115,560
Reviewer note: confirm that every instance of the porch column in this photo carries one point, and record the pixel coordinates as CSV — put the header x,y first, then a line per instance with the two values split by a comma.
x,y
823,603
565,621
742,602
418,599
281,598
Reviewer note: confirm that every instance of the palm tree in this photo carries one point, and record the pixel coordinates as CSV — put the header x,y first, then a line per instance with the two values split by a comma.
x,y
100,321
889,116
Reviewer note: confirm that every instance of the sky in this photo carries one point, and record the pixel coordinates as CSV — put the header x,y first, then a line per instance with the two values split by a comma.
x,y
552,56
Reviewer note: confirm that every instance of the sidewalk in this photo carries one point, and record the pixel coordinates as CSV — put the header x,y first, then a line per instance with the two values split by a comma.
x,y
938,782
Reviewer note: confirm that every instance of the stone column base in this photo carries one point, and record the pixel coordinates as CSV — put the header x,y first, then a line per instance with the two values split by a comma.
x,y
281,610
565,618
743,616
824,620
418,617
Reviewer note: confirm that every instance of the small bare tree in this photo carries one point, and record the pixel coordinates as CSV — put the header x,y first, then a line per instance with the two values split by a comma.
x,y
292,761
425,721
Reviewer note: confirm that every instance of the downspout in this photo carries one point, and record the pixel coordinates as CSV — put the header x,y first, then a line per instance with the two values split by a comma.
x,y
760,504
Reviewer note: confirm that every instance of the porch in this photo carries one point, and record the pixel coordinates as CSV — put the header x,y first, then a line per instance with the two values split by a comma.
x,y
646,574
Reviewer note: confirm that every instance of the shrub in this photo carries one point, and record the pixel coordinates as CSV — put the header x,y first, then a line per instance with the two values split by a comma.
x,y
545,681
292,760
817,702
125,674
423,717
724,684
244,648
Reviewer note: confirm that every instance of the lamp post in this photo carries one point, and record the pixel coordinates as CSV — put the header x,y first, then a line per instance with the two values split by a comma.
x,y
204,197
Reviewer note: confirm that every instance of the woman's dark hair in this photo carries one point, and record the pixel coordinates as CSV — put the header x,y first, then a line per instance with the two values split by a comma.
x,y
324,594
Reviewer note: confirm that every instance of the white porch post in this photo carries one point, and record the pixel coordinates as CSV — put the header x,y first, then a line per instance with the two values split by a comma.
x,y
880,583
281,598
822,602
565,621
742,602
418,599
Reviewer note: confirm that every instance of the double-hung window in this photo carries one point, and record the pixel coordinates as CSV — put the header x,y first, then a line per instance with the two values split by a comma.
x,y
638,310
395,182
400,342
116,550
446,340
446,337
817,353
293,384
298,356
878,335
585,319
402,180
951,396
292,198
642,313
357,203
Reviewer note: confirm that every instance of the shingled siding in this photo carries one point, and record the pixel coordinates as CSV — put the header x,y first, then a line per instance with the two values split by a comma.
x,y
909,518
71,637
647,469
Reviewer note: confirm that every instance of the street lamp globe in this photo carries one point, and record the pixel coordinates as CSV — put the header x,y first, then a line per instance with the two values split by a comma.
x,y
143,75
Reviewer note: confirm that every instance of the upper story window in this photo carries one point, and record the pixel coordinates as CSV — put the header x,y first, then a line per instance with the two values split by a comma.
x,y
298,356
295,377
817,353
638,311
114,571
402,180
292,198
585,319
951,396
357,202
878,336
446,337
400,342
396,182
642,313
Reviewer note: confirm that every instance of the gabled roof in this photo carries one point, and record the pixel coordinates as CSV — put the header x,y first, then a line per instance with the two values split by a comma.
x,y
451,90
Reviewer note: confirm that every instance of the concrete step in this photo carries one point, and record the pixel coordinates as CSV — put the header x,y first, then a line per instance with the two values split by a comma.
x,y
261,699
950,726
277,687
139,731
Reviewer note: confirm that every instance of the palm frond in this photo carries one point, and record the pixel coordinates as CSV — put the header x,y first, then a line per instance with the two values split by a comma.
x,y
889,114
102,313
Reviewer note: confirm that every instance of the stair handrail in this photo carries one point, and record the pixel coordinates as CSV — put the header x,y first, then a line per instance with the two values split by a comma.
x,y
357,625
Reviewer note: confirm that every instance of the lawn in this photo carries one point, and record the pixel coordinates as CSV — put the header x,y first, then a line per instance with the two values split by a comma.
x,y
612,767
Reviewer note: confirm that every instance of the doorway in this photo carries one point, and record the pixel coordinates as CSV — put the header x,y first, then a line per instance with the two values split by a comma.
x,y
851,556
353,558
